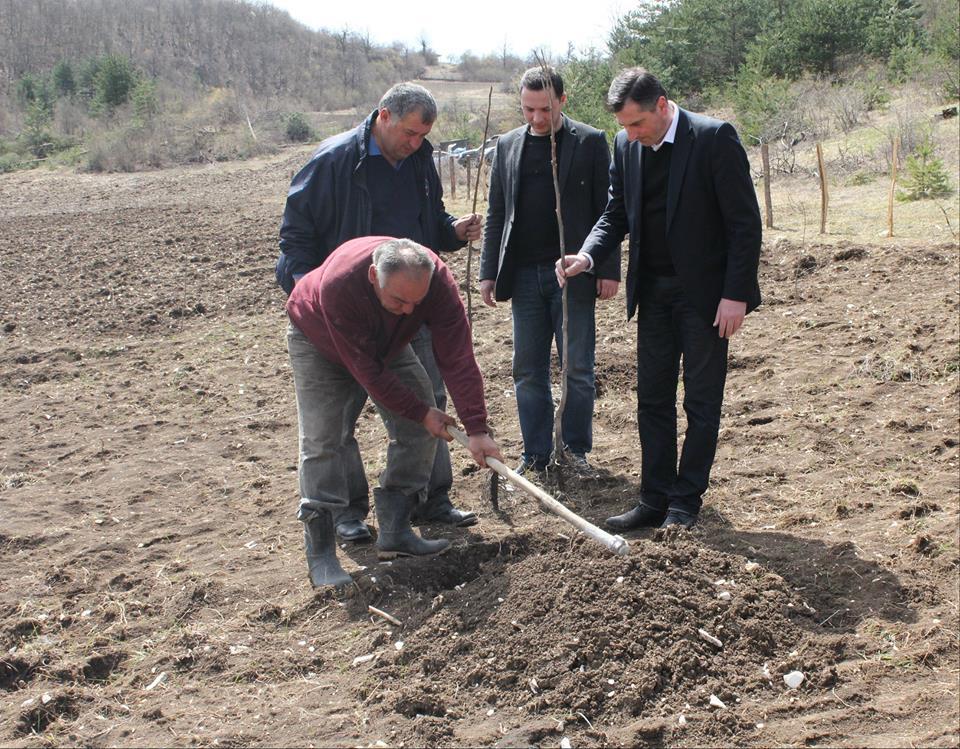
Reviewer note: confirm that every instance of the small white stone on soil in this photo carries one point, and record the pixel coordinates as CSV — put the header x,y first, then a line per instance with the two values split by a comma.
x,y
750,566
794,679
717,702
27,703
363,659
761,725
682,720
565,743
47,697
724,595
398,644
490,712
161,677
709,638
619,579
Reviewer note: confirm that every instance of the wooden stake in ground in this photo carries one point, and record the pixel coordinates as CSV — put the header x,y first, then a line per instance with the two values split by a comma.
x,y
767,202
453,178
824,196
893,185
559,455
476,192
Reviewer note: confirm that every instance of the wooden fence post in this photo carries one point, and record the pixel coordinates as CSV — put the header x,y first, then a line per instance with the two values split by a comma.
x,y
824,197
893,185
767,202
453,178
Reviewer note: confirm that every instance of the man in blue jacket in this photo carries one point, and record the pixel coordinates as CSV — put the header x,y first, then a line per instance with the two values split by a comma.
x,y
377,179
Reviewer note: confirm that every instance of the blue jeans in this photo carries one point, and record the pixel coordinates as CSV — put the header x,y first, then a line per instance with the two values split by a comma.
x,y
537,322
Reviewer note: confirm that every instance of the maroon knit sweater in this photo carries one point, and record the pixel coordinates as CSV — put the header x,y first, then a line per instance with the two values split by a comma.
x,y
336,308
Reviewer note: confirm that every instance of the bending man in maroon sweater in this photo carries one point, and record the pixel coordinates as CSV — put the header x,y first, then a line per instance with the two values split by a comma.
x,y
352,320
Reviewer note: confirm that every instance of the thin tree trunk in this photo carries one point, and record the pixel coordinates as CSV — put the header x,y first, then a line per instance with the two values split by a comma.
x,y
767,201
476,193
824,196
893,185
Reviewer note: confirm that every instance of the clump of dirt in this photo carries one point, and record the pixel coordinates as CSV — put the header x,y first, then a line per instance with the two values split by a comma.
x,y
574,630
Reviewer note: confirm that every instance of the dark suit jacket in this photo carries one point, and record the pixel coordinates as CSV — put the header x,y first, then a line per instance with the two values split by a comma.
x,y
583,176
713,219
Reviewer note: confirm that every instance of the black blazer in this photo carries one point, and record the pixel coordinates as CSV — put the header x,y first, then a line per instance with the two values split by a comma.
x,y
583,175
713,219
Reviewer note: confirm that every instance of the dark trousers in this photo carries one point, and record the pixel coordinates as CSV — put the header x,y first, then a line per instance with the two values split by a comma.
x,y
668,330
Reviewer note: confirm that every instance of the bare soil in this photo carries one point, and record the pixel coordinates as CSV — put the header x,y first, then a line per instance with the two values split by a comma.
x,y
153,589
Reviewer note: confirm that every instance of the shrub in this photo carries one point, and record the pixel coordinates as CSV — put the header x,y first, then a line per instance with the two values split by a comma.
x,y
114,81
926,176
62,79
298,129
146,106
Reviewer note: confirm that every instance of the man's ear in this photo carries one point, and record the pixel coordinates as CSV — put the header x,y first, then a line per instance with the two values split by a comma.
x,y
372,274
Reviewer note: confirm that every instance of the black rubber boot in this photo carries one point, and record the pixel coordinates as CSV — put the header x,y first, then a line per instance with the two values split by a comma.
x,y
321,545
396,537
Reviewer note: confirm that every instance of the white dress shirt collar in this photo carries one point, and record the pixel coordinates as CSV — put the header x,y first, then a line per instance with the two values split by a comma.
x,y
671,133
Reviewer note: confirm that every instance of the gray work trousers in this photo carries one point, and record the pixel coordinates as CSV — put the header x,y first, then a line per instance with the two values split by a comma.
x,y
441,476
329,402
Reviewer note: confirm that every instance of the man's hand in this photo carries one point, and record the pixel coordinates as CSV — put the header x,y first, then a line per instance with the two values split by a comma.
x,y
468,228
482,446
607,288
436,422
729,317
486,293
568,266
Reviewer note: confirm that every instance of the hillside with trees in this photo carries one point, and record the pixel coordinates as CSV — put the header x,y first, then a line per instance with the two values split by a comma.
x,y
128,84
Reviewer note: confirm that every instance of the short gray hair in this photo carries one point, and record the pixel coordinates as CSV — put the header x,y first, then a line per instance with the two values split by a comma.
x,y
404,98
405,255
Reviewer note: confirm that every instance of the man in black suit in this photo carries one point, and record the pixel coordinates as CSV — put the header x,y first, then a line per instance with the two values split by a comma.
x,y
520,246
680,185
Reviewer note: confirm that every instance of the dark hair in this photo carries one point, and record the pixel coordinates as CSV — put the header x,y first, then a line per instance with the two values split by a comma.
x,y
409,97
637,85
535,79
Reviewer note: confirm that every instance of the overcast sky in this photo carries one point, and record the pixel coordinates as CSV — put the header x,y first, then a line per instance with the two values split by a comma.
x,y
454,28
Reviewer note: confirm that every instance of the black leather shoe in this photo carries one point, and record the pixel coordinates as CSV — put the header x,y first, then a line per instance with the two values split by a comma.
x,y
456,518
353,530
640,516
679,517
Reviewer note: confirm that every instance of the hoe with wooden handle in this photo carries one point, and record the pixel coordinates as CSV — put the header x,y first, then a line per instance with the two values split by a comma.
x,y
616,544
